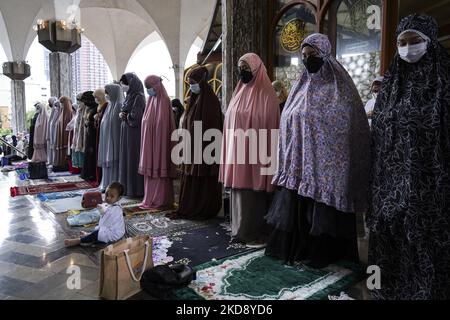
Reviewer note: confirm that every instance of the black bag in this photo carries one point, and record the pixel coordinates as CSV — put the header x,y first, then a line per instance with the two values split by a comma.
x,y
38,170
162,280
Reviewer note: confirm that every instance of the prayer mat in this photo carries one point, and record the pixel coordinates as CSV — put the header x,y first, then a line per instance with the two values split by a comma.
x,y
63,205
43,197
60,174
38,182
32,190
253,276
158,225
193,242
75,178
161,246
64,176
136,210
209,243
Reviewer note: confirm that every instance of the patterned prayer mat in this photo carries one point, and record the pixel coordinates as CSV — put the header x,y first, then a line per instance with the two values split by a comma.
x,y
157,225
192,242
134,210
32,190
197,246
253,276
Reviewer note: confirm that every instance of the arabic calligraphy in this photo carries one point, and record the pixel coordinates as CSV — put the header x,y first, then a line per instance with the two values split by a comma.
x,y
293,35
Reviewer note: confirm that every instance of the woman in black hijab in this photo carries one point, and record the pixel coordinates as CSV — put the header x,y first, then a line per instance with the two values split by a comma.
x,y
201,192
410,217
130,137
32,127
89,170
178,111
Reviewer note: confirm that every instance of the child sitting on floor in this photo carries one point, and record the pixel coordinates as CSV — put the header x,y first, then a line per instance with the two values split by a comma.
x,y
111,227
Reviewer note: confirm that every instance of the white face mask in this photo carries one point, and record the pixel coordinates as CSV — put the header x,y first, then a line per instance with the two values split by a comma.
x,y
375,95
195,88
414,53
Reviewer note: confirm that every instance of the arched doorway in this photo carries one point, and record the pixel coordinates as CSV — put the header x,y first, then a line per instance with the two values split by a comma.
x,y
154,59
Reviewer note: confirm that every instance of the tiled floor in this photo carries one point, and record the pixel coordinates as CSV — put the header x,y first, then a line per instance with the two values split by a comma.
x,y
34,261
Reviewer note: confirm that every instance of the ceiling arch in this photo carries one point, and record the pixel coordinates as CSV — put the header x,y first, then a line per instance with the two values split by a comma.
x,y
18,17
4,39
109,30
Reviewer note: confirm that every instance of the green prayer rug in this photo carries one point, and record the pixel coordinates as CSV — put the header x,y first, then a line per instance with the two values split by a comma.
x,y
254,276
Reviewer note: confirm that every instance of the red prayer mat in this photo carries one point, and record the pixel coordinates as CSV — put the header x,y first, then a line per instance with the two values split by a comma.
x,y
49,188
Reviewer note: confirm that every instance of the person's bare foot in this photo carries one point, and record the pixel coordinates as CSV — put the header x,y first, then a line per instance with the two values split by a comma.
x,y
71,242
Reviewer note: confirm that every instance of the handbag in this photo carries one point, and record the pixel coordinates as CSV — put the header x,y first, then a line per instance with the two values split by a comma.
x,y
161,281
91,200
38,170
122,267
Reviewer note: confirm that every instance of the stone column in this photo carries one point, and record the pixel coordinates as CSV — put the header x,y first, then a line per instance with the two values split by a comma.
x,y
245,29
18,104
17,71
60,74
179,88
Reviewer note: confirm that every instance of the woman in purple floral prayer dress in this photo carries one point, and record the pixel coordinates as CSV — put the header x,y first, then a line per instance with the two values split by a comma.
x,y
324,163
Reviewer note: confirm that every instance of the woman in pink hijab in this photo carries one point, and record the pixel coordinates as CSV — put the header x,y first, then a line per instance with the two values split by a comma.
x,y
62,138
253,110
155,164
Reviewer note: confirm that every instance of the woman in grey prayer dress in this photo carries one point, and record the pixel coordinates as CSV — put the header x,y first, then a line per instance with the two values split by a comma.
x,y
131,115
109,147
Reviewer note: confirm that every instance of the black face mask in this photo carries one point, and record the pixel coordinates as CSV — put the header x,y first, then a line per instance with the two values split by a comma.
x,y
313,64
246,76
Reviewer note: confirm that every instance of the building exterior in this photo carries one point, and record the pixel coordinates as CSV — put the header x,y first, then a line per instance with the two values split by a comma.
x,y
84,62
